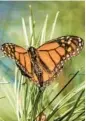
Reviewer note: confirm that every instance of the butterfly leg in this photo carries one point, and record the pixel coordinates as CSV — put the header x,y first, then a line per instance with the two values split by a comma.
x,y
36,68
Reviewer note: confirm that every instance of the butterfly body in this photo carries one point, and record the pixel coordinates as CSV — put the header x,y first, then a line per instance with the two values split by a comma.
x,y
42,64
35,65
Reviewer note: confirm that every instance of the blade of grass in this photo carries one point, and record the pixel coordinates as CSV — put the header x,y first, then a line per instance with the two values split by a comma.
x,y
53,26
59,92
78,116
10,95
69,103
25,101
18,97
43,35
15,90
35,106
48,92
36,103
42,32
64,87
64,100
75,106
29,103
31,26
64,115
25,32
16,75
67,97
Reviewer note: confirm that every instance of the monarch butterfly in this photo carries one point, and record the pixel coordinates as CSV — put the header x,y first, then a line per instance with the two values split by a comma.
x,y
42,64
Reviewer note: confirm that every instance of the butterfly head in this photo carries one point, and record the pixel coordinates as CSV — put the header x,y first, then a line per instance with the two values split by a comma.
x,y
32,50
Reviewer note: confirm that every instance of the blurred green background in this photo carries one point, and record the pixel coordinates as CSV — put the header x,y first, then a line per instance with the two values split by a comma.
x,y
71,21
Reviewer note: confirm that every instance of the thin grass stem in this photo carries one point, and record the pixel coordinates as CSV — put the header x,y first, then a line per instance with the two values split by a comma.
x,y
54,25
78,116
75,106
25,32
31,26
43,35
59,92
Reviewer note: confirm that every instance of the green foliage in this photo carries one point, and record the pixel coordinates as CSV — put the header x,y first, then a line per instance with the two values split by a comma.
x,y
25,101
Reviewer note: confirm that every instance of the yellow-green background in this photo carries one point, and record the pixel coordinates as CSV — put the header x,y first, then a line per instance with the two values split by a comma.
x,y
70,22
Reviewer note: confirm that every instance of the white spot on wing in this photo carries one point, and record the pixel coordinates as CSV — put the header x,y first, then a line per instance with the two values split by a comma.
x,y
80,44
68,37
62,38
67,55
79,39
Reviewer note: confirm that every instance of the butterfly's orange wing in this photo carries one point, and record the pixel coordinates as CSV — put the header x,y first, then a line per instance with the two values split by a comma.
x,y
50,56
20,55
53,54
